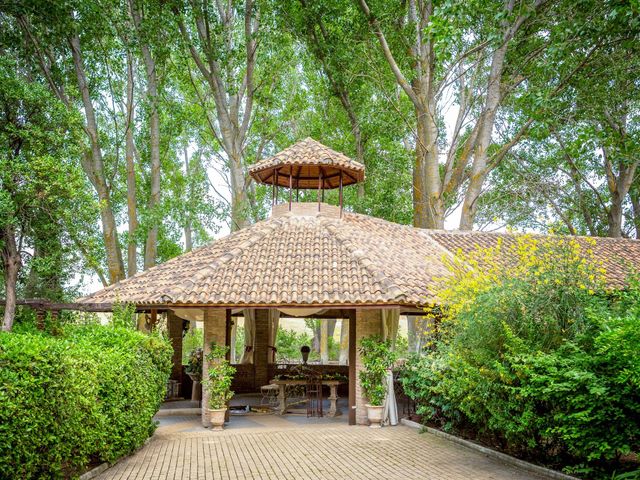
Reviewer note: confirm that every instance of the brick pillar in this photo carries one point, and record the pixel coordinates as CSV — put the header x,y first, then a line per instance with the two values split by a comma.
x,y
368,322
260,348
174,327
215,320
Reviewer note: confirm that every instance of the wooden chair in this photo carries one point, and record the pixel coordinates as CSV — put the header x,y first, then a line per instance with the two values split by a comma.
x,y
314,396
269,395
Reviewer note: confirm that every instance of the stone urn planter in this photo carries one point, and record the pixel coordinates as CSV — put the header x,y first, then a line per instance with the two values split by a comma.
x,y
196,387
374,414
217,417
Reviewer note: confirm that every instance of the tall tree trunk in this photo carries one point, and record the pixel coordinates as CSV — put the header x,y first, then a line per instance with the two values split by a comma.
x,y
188,244
151,244
480,167
634,195
614,216
619,185
132,207
12,264
93,165
479,170
428,205
233,97
240,217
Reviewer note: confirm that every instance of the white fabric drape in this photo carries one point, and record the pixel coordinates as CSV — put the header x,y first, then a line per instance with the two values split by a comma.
x,y
191,314
232,340
302,312
390,410
344,341
274,321
390,321
249,335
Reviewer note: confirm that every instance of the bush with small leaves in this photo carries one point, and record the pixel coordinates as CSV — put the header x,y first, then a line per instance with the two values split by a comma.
x,y
86,395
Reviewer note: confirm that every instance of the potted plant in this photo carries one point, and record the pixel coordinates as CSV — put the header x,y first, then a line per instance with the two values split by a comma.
x,y
377,358
218,384
194,370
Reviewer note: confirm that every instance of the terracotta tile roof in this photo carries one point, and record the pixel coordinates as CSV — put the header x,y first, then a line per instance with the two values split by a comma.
x,y
305,160
322,260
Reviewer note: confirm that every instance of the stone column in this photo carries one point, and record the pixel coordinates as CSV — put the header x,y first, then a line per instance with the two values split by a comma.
x,y
260,348
368,322
215,321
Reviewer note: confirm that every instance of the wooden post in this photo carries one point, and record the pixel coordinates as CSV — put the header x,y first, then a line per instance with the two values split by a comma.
x,y
174,329
273,193
154,319
352,367
40,319
340,193
290,188
275,202
319,188
227,334
227,342
260,348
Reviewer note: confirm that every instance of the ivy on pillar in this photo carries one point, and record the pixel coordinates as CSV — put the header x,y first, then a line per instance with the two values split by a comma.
x,y
214,331
368,322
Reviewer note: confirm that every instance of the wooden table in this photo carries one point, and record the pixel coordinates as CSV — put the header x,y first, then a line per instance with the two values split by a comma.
x,y
333,395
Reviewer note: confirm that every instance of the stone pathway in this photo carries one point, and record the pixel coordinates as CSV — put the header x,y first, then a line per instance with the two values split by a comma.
x,y
270,447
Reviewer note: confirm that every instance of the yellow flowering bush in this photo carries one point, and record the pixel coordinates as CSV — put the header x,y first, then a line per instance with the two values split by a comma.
x,y
534,355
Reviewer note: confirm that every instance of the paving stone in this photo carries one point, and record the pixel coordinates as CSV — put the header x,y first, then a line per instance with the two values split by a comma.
x,y
272,448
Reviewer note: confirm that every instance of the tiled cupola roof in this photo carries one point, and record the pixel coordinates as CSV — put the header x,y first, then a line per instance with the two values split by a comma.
x,y
307,161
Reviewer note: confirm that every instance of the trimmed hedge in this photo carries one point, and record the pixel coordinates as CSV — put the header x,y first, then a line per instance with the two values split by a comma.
x,y
87,395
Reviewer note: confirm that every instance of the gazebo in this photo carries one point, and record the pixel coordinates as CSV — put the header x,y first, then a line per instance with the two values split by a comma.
x,y
313,260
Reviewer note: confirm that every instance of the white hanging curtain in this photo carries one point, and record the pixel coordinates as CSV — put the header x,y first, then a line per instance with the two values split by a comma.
x,y
390,410
344,341
249,335
274,321
390,321
232,340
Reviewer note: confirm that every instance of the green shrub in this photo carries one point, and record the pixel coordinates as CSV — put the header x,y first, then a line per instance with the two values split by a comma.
x,y
539,359
288,343
219,377
377,358
191,341
88,395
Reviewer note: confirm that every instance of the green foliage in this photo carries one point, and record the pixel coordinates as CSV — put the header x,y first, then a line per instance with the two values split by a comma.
x,y
191,341
540,363
86,395
194,362
239,346
124,316
377,358
219,376
288,343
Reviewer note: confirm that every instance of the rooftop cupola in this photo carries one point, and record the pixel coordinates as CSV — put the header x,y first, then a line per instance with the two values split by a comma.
x,y
307,165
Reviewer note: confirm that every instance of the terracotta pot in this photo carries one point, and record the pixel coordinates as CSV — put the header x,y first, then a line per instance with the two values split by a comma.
x,y
217,417
374,414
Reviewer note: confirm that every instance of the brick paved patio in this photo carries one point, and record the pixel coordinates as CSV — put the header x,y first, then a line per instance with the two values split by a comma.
x,y
269,447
